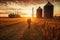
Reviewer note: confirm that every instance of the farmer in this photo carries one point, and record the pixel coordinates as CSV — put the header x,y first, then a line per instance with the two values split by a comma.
x,y
29,22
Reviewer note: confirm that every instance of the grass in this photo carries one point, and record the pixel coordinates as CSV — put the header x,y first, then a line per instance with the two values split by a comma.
x,y
41,29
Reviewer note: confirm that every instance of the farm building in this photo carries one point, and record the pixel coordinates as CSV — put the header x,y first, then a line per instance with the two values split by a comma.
x,y
39,12
48,10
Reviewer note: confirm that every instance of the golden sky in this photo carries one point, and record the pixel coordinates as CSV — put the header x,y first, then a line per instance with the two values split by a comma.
x,y
24,7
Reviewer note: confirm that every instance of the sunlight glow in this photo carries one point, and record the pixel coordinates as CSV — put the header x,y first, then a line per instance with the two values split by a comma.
x,y
23,10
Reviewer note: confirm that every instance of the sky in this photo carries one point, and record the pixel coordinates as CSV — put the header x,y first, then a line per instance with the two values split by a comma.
x,y
24,7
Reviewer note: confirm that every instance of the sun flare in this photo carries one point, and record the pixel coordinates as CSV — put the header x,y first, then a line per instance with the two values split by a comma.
x,y
24,10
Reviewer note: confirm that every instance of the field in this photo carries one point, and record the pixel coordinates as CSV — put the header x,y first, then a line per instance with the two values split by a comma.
x,y
40,29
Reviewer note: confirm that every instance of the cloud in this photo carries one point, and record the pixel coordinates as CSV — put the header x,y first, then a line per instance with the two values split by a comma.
x,y
26,0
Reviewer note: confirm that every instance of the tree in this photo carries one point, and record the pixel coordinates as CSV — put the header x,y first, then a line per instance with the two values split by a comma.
x,y
12,15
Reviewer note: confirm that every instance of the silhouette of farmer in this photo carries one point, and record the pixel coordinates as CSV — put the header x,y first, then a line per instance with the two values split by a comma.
x,y
29,22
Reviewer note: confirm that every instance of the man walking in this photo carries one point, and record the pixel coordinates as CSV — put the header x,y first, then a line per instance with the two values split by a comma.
x,y
29,22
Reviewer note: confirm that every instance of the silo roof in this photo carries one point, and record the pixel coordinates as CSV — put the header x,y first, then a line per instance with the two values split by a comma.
x,y
49,4
39,8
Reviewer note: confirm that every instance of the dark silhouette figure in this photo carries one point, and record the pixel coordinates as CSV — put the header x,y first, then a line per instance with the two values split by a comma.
x,y
29,22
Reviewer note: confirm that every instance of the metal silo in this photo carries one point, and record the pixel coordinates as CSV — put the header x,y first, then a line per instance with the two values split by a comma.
x,y
48,10
39,12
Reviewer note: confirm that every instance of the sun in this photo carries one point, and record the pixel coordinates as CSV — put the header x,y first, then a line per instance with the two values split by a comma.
x,y
27,11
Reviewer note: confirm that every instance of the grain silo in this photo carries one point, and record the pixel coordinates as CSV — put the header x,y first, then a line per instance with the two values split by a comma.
x,y
39,12
48,10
